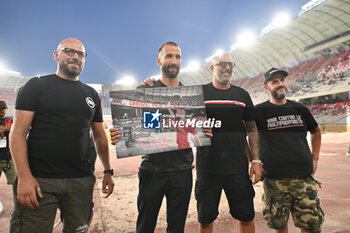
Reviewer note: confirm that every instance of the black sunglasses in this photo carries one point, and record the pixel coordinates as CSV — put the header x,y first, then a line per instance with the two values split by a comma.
x,y
223,64
71,52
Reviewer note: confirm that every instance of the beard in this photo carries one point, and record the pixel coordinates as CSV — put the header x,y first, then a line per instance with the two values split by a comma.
x,y
223,79
279,96
72,71
170,74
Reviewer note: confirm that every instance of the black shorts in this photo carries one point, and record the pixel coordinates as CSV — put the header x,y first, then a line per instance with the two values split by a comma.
x,y
239,192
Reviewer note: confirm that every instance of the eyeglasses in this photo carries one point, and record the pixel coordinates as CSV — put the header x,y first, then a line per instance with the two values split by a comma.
x,y
71,52
223,64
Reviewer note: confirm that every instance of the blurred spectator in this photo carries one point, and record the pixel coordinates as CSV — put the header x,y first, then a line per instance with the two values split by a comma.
x,y
6,163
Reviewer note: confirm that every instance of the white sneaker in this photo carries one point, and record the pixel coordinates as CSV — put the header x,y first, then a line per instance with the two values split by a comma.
x,y
1,207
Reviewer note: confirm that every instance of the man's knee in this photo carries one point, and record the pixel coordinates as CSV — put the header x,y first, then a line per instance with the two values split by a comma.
x,y
77,222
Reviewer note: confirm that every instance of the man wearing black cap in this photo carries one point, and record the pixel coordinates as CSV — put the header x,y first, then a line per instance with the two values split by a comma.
x,y
6,163
289,186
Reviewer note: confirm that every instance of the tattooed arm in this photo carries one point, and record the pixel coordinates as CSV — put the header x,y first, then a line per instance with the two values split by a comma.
x,y
253,136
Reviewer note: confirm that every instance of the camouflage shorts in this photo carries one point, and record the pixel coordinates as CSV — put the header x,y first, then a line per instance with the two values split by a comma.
x,y
298,196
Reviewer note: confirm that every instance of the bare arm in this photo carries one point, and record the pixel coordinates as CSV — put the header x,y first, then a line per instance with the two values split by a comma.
x,y
101,143
102,149
28,188
247,151
315,136
253,136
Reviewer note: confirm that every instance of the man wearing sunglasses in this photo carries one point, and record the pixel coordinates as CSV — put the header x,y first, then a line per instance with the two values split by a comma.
x,y
53,161
224,164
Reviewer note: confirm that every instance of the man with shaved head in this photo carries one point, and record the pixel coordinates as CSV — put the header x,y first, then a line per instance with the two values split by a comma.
x,y
50,146
224,164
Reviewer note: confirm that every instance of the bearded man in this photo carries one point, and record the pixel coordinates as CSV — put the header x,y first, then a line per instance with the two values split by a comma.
x,y
49,142
289,164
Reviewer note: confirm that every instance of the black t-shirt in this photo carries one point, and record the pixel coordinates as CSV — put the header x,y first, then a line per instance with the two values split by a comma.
x,y
226,155
169,161
58,141
283,146
4,143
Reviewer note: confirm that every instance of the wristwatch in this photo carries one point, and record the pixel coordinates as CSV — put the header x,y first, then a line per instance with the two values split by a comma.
x,y
109,171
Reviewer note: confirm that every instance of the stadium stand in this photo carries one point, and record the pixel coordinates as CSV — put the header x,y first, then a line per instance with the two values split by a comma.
x,y
331,113
10,82
319,48
8,95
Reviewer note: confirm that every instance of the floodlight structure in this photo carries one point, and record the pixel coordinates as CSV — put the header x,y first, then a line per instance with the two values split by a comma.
x,y
127,80
245,39
280,20
219,52
192,66
3,70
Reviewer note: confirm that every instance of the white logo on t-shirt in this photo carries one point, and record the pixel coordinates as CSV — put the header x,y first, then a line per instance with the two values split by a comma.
x,y
286,121
90,102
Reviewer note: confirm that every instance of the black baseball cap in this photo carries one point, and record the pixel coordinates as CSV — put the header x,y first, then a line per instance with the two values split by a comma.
x,y
3,104
271,72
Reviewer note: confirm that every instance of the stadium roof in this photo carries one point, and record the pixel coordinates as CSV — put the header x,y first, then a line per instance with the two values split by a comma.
x,y
11,79
320,27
